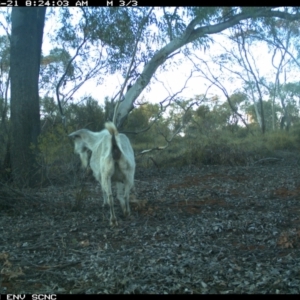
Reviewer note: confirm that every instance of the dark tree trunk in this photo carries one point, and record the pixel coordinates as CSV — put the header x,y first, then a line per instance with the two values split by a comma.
x,y
25,55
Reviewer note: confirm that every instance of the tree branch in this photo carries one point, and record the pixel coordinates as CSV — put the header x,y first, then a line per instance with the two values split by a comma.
x,y
67,69
189,35
215,81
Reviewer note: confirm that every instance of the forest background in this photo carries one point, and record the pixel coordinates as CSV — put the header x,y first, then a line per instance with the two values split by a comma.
x,y
198,85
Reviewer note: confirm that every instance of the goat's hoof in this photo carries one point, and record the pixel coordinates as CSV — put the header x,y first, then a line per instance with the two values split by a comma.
x,y
113,223
126,214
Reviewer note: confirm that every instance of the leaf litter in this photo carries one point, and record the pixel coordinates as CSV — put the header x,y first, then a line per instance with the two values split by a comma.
x,y
206,229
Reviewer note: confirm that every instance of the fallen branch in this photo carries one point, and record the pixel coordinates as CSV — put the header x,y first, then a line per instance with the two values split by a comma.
x,y
11,198
268,159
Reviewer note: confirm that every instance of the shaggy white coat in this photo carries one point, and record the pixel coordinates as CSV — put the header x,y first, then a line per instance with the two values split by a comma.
x,y
112,160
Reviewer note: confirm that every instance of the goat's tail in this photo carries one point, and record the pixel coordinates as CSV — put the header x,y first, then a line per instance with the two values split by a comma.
x,y
111,127
116,152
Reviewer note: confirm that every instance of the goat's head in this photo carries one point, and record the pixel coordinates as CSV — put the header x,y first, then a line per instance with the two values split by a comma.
x,y
80,146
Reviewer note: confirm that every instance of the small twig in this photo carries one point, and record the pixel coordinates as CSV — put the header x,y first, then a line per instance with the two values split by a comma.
x,y
154,162
142,181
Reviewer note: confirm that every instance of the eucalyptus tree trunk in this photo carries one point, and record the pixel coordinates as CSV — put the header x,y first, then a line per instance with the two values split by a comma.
x,y
25,55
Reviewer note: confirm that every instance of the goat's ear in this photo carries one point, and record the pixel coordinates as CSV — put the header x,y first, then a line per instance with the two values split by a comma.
x,y
74,135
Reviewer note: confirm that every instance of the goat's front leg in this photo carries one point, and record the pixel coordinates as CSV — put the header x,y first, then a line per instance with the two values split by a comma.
x,y
104,195
106,185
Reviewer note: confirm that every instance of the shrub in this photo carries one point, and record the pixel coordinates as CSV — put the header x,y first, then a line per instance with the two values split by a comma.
x,y
56,154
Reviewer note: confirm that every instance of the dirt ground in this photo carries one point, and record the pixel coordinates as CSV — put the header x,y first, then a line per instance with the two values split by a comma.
x,y
197,229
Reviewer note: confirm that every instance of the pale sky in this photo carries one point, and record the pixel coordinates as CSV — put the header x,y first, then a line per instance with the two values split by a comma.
x,y
174,80
171,81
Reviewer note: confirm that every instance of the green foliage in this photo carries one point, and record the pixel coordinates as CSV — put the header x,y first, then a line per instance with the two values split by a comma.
x,y
267,107
87,114
206,119
55,154
116,28
281,140
209,137
292,89
56,57
140,119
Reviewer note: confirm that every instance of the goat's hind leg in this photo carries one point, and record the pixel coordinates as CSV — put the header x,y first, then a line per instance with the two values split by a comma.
x,y
127,187
106,185
120,196
105,202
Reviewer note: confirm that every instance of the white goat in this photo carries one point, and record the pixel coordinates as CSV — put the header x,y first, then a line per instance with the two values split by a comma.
x,y
112,159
